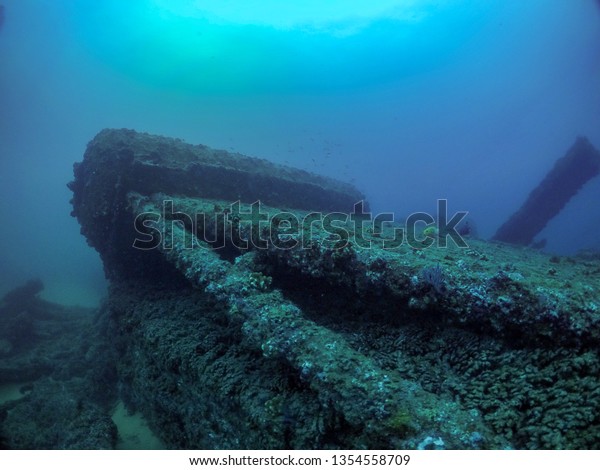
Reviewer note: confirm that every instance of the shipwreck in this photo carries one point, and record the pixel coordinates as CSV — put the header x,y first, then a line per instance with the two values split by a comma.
x,y
226,330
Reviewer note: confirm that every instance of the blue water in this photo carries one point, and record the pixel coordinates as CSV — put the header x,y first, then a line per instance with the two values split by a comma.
x,y
412,101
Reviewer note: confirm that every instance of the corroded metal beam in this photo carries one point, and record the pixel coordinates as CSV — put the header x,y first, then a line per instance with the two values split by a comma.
x,y
580,164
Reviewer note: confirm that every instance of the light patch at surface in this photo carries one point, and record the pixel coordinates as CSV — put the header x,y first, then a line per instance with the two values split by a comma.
x,y
201,47
318,14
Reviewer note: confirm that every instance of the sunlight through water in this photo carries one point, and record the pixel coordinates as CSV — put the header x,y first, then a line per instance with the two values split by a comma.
x,y
270,46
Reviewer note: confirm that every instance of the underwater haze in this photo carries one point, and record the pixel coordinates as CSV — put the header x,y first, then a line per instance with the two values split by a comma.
x,y
410,100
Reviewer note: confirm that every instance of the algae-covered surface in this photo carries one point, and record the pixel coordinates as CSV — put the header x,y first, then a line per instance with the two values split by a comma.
x,y
237,323
500,341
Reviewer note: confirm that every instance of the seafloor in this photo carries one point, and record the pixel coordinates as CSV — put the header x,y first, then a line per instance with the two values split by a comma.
x,y
319,346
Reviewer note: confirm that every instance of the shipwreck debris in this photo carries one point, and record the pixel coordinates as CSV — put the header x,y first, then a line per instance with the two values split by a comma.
x,y
580,164
324,344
